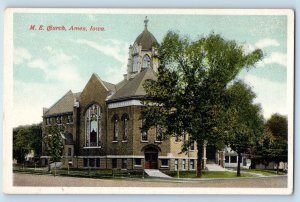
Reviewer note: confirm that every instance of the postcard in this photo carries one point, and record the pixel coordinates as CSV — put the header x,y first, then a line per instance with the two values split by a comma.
x,y
148,101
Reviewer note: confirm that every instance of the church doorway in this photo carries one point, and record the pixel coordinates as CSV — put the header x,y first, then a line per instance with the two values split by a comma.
x,y
211,154
151,158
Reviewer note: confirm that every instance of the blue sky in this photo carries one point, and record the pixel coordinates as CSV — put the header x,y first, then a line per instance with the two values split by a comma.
x,y
48,64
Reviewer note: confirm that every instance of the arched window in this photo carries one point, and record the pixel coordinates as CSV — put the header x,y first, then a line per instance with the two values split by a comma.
x,y
115,121
93,126
135,63
146,61
125,120
144,133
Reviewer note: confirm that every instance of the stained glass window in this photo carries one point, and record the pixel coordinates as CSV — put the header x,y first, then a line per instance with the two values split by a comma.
x,y
125,119
144,133
93,126
115,120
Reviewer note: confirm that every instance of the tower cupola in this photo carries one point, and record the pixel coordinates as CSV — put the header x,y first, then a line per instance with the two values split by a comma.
x,y
143,53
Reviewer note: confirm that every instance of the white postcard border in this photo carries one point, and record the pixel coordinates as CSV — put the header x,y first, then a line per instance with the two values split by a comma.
x,y
8,98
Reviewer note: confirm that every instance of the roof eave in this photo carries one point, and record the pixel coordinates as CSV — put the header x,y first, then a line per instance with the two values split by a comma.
x,y
136,97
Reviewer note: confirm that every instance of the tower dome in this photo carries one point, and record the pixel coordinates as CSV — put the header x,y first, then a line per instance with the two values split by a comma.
x,y
146,38
142,54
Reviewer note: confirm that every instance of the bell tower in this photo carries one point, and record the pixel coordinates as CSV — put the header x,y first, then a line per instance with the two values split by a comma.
x,y
143,53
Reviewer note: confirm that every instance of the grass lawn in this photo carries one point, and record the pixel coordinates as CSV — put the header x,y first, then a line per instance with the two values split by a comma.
x,y
92,173
208,174
264,172
95,173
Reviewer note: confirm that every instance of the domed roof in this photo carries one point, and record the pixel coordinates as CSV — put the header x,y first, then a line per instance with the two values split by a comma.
x,y
146,38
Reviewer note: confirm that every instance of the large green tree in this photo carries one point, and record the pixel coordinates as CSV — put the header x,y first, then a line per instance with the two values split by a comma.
x,y
245,123
25,139
276,149
54,144
188,95
263,149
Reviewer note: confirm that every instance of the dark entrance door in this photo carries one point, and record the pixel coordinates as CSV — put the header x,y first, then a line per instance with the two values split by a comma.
x,y
151,158
211,154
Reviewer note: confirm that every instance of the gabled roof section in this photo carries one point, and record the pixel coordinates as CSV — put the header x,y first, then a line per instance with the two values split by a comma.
x,y
63,105
108,86
121,84
134,87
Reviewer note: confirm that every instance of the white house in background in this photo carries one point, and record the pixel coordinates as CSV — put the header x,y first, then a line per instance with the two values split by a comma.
x,y
29,156
231,159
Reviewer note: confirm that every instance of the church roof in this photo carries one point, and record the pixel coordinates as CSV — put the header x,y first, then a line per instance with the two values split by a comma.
x,y
66,103
109,86
63,105
121,84
134,87
146,38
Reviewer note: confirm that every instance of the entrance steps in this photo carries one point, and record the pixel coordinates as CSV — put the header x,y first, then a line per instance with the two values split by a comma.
x,y
156,173
214,167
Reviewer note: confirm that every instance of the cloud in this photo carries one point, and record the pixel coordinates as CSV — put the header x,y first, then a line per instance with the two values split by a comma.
x,y
274,58
248,48
266,42
261,44
38,63
30,98
58,66
114,75
60,75
115,49
21,55
271,95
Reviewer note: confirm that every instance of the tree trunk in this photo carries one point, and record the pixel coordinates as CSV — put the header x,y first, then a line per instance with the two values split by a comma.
x,y
239,165
199,158
277,170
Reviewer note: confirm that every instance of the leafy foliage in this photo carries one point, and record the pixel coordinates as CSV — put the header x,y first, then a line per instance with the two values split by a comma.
x,y
189,93
54,143
245,123
25,139
273,146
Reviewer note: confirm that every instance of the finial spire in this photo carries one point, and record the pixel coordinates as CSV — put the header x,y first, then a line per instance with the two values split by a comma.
x,y
146,22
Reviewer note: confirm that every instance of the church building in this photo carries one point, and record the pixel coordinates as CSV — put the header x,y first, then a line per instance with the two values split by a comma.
x,y
103,121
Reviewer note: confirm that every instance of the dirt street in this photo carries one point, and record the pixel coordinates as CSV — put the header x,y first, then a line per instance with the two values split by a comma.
x,y
45,180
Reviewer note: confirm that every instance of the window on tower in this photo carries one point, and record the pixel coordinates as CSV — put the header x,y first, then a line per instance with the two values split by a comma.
x,y
135,55
135,63
146,61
